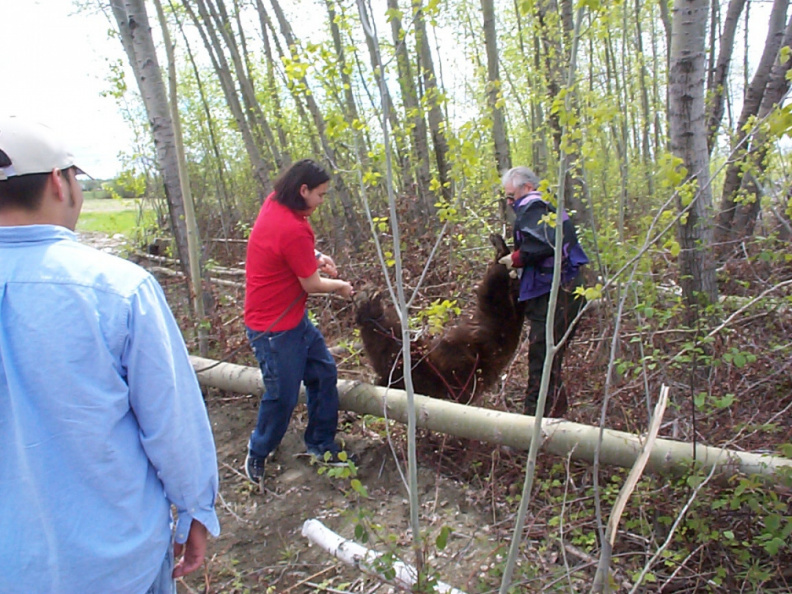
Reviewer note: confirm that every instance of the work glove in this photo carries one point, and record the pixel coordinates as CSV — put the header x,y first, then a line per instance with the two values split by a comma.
x,y
509,262
512,260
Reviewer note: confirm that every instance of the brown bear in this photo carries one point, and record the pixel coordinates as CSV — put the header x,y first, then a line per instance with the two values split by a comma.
x,y
467,358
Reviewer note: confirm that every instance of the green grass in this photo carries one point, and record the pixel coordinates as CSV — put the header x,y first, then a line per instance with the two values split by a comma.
x,y
112,216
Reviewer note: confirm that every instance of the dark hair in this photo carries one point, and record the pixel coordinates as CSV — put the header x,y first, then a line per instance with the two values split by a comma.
x,y
25,191
287,186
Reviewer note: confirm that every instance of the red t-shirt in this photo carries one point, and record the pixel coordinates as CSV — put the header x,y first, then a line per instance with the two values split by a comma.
x,y
280,251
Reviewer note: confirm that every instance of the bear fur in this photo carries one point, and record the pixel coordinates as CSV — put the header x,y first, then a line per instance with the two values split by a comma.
x,y
466,359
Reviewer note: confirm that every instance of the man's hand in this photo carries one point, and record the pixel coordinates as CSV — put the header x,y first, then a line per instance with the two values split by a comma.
x,y
190,555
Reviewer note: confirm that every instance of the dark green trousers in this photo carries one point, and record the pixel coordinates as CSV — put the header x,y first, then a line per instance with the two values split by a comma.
x,y
568,306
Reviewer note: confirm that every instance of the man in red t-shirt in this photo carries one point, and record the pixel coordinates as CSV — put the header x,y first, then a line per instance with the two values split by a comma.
x,y
282,268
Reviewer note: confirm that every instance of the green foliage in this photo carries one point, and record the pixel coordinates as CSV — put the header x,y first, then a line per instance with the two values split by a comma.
x,y
446,212
590,293
779,122
129,184
438,314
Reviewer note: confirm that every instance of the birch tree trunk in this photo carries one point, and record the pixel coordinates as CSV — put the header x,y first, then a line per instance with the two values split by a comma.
x,y
413,112
228,206
717,88
777,88
223,71
558,437
555,29
499,137
261,128
432,97
193,236
272,87
688,139
343,192
349,106
135,33
753,100
646,124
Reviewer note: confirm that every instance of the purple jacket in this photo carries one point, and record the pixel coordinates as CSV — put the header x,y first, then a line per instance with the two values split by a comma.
x,y
535,239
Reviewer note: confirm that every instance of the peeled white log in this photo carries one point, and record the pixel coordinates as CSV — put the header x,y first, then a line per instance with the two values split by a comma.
x,y
364,559
559,437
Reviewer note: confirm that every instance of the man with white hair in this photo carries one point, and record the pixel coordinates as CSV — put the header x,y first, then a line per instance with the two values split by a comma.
x,y
534,255
102,423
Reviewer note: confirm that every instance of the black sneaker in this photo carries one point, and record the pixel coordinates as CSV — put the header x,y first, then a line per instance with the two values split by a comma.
x,y
333,456
254,468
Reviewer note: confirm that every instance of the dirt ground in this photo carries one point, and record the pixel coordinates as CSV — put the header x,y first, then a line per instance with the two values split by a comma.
x,y
261,547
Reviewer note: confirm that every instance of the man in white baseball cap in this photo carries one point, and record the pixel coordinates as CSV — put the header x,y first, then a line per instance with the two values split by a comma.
x,y
103,426
33,157
35,149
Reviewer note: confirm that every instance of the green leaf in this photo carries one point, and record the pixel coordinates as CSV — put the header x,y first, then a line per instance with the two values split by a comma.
x,y
442,539
359,487
699,399
672,245
774,545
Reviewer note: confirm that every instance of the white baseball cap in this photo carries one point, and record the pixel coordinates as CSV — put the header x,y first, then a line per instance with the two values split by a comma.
x,y
29,147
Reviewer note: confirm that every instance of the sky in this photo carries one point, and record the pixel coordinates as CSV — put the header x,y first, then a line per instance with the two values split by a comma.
x,y
54,71
58,68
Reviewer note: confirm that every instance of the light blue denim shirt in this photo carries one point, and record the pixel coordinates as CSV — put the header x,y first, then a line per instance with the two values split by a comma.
x,y
102,423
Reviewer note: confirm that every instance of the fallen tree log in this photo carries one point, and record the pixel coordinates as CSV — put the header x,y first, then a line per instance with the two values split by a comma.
x,y
559,437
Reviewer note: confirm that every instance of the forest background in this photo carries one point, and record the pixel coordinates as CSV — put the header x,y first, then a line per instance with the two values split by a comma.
x,y
670,153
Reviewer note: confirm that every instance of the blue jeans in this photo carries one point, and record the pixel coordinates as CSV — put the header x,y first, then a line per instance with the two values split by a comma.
x,y
164,584
286,359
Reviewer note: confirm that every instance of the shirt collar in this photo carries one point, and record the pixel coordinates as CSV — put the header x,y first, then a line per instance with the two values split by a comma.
x,y
532,195
35,233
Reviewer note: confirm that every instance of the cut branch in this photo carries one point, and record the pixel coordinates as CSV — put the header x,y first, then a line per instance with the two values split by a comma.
x,y
364,559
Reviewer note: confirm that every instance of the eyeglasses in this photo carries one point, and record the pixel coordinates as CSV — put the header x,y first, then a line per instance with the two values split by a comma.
x,y
511,195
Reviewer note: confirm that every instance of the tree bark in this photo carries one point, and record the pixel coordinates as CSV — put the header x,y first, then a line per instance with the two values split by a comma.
x,y
228,210
343,193
349,106
753,99
777,87
272,87
499,137
414,114
193,236
717,88
214,48
688,140
432,95
555,28
258,123
135,33
646,124
351,553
